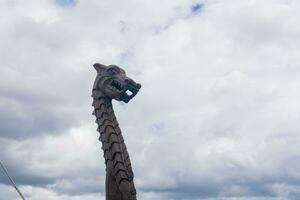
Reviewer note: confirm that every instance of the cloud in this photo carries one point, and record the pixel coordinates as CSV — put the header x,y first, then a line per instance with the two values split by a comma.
x,y
216,118
51,161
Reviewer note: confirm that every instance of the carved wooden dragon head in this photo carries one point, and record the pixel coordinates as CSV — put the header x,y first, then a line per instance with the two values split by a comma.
x,y
112,82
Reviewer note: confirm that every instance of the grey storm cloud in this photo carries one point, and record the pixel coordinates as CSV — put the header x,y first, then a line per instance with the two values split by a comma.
x,y
20,121
217,116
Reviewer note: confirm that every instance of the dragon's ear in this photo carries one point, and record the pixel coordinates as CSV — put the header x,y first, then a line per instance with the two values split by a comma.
x,y
99,67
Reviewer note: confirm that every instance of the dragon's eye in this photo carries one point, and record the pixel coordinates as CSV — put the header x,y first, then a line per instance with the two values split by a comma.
x,y
112,71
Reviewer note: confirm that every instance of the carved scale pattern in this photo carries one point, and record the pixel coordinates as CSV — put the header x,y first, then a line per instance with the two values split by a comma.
x,y
115,153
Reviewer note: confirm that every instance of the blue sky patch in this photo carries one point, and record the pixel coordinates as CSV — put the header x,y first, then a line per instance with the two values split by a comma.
x,y
66,3
196,7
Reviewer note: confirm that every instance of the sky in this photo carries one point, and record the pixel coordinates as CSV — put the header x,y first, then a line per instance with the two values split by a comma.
x,y
217,117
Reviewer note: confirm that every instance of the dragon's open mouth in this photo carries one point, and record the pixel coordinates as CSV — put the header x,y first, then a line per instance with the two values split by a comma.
x,y
126,90
116,85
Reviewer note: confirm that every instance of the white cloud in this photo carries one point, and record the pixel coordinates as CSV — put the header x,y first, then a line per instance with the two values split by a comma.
x,y
217,116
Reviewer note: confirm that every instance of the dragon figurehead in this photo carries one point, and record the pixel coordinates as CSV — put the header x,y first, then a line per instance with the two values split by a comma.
x,y
112,83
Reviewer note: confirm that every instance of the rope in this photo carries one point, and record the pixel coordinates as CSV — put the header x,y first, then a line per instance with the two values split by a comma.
x,y
11,181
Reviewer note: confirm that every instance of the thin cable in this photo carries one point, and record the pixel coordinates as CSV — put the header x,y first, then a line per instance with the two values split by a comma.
x,y
11,181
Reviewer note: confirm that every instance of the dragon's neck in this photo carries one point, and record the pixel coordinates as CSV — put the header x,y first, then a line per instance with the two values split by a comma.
x,y
115,153
105,116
